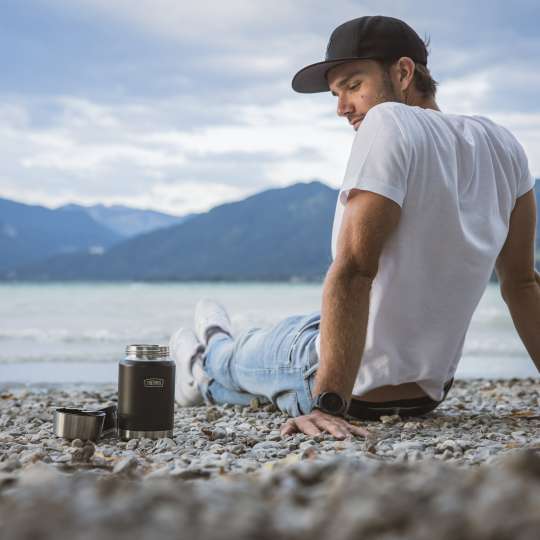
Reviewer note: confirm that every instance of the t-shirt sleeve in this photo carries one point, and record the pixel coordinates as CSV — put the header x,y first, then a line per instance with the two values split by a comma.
x,y
380,156
526,181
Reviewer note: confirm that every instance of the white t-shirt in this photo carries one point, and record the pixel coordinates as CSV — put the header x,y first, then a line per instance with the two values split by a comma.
x,y
456,179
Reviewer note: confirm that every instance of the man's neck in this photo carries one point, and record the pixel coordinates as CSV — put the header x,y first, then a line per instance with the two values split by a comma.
x,y
427,104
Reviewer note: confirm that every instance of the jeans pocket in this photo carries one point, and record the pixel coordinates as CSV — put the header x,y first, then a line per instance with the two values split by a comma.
x,y
309,380
294,342
288,403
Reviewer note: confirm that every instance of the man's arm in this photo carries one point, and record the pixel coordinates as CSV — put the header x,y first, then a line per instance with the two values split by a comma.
x,y
368,221
519,282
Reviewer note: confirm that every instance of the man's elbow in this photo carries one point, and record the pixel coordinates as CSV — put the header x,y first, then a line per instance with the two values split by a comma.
x,y
350,269
511,289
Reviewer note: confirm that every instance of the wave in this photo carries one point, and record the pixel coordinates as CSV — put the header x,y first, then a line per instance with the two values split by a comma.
x,y
58,359
63,335
493,346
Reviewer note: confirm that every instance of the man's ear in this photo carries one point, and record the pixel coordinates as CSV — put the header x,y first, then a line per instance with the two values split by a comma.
x,y
406,69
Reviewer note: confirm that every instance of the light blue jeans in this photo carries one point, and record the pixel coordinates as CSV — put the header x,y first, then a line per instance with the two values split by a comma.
x,y
276,364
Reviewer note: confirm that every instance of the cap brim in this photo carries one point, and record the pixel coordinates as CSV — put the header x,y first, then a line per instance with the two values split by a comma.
x,y
312,78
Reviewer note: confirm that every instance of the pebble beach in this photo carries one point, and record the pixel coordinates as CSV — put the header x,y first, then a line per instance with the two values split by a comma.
x,y
469,469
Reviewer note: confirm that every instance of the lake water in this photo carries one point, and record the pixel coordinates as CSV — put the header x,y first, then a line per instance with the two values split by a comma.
x,y
71,333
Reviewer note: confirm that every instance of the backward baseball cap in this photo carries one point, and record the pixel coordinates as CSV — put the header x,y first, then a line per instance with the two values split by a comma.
x,y
372,37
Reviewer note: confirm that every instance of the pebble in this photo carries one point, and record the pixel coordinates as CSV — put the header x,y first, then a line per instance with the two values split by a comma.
x,y
31,456
10,464
389,420
83,453
132,444
338,497
164,444
126,465
479,422
408,446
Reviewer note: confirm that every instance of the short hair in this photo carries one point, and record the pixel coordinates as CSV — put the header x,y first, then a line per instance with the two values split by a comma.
x,y
424,83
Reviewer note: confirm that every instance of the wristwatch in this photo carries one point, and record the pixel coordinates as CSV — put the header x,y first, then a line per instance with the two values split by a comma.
x,y
331,403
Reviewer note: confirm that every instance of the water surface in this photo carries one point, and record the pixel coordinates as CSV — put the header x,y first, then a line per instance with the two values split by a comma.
x,y
70,332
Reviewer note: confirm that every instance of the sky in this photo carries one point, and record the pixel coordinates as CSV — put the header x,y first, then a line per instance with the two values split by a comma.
x,y
179,106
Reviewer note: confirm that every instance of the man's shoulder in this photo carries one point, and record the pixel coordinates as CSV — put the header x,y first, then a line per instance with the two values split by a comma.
x,y
389,116
507,139
493,126
386,108
391,113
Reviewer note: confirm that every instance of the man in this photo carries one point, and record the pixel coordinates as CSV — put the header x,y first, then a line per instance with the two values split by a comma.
x,y
429,205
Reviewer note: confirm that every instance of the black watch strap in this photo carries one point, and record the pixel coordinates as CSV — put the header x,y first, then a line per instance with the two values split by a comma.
x,y
331,403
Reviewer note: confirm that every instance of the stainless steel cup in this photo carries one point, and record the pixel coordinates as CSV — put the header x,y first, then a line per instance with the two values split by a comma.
x,y
78,423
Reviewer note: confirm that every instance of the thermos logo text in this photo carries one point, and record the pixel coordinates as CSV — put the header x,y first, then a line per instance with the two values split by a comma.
x,y
154,382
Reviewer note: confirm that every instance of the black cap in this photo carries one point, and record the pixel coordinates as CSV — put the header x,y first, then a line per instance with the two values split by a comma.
x,y
375,37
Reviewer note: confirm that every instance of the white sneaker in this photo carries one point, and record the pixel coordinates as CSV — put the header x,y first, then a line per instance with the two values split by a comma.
x,y
187,351
208,314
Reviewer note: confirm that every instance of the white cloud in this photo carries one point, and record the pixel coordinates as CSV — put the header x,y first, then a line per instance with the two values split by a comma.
x,y
464,95
231,124
189,20
128,154
133,154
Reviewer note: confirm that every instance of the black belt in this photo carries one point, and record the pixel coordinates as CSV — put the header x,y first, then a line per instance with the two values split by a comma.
x,y
371,410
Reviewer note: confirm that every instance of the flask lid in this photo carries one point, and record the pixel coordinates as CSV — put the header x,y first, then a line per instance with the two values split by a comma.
x,y
144,351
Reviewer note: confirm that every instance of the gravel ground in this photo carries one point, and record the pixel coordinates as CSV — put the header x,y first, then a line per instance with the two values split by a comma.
x,y
470,469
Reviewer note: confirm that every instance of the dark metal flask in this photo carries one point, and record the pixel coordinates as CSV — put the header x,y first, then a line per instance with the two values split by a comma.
x,y
146,381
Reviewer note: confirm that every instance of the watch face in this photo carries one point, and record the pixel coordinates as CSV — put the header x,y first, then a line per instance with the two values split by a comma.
x,y
332,402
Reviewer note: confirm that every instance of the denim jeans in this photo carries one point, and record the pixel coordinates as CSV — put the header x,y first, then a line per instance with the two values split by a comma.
x,y
276,364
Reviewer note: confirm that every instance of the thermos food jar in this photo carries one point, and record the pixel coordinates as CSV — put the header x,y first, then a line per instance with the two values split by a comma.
x,y
146,381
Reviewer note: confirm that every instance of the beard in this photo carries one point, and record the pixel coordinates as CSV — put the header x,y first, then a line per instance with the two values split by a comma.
x,y
387,91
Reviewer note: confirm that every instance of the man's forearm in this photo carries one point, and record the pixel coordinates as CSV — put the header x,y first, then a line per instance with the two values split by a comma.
x,y
344,317
524,305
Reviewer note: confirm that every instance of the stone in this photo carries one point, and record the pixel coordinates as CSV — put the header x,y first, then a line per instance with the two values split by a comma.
x,y
390,420
164,444
408,446
448,454
32,456
451,445
11,464
62,458
190,473
266,445
126,466
132,444
254,404
84,453
7,480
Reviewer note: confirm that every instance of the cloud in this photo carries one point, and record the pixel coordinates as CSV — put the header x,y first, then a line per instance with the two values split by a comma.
x,y
180,106
130,154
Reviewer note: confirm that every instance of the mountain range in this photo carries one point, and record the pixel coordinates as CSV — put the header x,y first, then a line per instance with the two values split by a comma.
x,y
126,221
30,233
278,234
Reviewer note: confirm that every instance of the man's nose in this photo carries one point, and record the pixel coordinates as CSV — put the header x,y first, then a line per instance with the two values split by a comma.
x,y
344,106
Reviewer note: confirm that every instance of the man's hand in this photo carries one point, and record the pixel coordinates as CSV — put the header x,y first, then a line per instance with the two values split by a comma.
x,y
317,422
